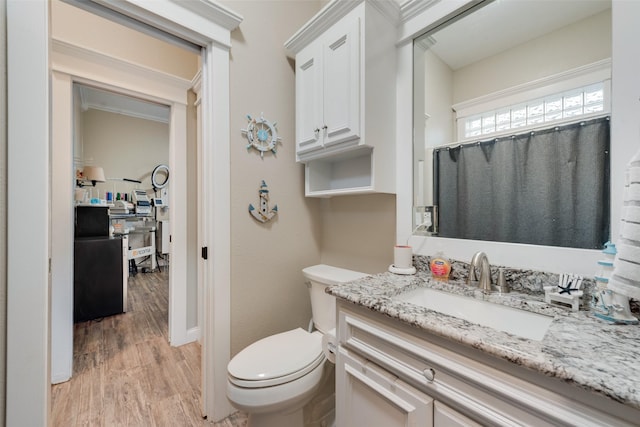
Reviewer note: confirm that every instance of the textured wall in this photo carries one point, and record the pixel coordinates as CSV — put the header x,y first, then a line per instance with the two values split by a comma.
x,y
3,206
267,288
125,147
359,232
588,41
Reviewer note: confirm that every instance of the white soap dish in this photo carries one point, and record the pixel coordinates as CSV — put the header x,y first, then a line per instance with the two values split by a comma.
x,y
398,270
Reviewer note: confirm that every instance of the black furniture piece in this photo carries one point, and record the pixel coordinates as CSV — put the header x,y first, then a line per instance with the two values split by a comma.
x,y
99,283
92,221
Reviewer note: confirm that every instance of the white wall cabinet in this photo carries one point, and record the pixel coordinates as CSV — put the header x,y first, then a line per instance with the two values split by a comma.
x,y
345,98
390,374
328,89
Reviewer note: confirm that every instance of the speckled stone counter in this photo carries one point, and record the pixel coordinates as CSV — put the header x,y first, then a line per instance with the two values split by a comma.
x,y
577,348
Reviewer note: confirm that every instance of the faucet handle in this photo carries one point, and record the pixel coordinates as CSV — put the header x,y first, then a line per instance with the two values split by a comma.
x,y
502,281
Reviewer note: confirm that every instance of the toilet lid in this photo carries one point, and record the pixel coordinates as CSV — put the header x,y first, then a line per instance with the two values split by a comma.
x,y
277,359
331,275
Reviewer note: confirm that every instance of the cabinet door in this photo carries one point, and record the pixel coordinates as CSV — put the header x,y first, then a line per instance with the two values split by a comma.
x,y
309,99
341,84
367,395
444,416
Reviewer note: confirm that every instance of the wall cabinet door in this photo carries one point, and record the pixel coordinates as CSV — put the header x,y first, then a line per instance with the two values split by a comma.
x,y
341,89
309,99
367,395
328,88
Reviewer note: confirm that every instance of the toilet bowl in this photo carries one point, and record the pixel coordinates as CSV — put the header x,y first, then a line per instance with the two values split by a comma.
x,y
274,378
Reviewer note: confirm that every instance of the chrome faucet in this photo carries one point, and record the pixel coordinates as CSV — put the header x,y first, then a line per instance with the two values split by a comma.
x,y
480,260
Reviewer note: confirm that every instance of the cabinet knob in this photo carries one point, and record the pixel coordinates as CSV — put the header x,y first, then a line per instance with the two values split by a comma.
x,y
429,374
316,130
325,127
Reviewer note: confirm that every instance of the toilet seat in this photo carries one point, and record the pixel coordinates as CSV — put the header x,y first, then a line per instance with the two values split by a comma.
x,y
277,359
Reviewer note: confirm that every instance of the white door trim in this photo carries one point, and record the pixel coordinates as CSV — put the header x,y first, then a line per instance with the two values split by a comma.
x,y
28,376
28,228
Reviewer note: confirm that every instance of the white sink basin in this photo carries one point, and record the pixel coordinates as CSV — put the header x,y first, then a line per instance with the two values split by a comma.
x,y
522,323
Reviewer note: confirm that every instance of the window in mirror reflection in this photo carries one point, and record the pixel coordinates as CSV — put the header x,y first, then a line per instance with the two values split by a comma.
x,y
511,124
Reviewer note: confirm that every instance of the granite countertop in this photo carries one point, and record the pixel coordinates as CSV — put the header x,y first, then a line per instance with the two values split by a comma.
x,y
578,347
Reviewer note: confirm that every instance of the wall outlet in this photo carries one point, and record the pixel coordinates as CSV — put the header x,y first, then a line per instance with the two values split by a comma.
x,y
425,219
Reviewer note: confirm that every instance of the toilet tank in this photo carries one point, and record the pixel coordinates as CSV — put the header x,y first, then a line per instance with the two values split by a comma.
x,y
323,305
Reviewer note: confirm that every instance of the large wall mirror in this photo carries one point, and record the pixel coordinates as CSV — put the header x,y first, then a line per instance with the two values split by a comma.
x,y
511,124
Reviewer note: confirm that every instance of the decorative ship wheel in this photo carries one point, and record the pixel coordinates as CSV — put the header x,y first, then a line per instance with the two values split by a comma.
x,y
262,135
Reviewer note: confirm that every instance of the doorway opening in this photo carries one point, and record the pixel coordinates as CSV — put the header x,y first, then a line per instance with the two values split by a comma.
x,y
31,131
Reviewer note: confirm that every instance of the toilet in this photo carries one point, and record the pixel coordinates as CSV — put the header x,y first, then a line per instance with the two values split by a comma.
x,y
275,377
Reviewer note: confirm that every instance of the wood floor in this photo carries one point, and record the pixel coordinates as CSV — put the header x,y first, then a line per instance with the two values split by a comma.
x,y
126,374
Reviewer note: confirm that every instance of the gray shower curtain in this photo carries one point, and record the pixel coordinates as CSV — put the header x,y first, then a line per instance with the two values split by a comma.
x,y
548,187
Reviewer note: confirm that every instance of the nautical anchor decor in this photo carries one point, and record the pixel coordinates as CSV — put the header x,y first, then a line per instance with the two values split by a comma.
x,y
263,214
262,135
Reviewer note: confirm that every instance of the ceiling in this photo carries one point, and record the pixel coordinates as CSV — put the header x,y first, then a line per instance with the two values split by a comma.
x,y
98,99
503,24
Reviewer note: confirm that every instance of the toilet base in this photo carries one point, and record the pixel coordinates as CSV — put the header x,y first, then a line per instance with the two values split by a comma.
x,y
293,419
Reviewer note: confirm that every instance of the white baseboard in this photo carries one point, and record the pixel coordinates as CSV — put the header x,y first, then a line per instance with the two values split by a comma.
x,y
191,335
60,377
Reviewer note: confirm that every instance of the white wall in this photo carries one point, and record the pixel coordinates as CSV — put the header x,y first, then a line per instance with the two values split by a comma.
x,y
3,205
581,43
358,232
268,294
125,147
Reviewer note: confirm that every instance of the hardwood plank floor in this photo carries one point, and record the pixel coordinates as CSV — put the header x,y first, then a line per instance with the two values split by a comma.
x,y
125,373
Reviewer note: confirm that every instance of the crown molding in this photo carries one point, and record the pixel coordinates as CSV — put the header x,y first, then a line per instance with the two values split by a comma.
x,y
413,8
333,12
212,11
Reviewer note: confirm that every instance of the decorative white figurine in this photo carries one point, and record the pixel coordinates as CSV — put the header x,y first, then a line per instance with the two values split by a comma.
x,y
263,214
568,291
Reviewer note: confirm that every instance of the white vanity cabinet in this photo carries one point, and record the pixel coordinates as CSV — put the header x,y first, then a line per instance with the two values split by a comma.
x,y
389,373
444,416
371,396
345,98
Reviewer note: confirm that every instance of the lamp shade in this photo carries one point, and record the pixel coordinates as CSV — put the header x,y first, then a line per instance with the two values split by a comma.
x,y
93,174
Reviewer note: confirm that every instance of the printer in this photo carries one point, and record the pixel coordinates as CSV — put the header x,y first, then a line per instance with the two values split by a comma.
x,y
141,202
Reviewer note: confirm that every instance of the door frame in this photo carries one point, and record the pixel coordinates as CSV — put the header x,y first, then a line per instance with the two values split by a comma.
x,y
29,227
73,64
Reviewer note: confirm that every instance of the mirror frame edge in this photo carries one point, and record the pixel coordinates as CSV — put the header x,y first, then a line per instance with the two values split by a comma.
x,y
624,130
